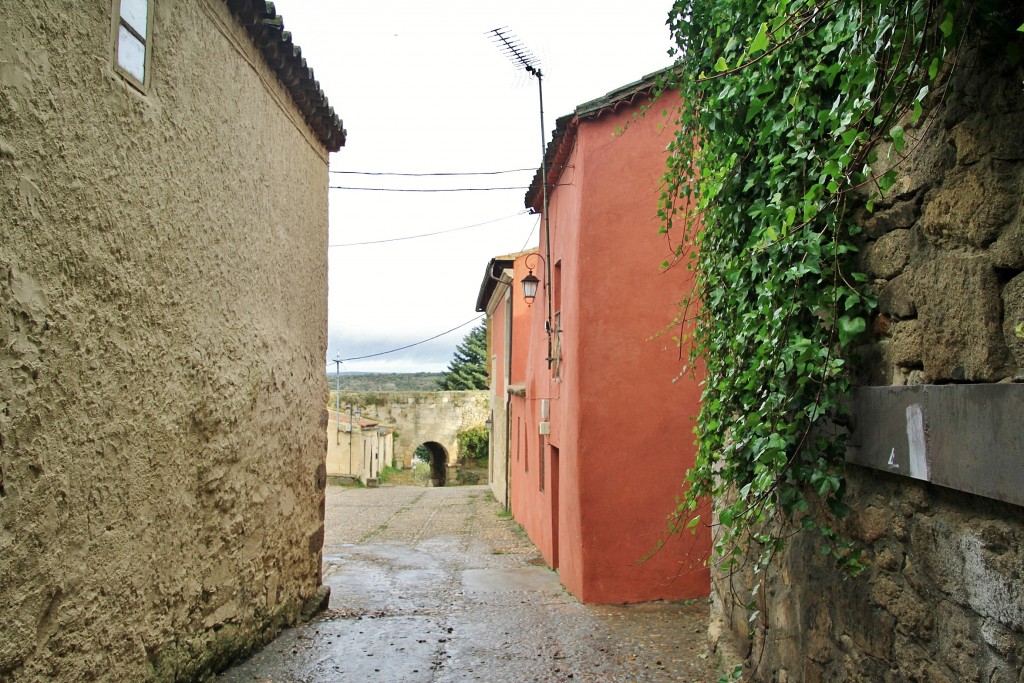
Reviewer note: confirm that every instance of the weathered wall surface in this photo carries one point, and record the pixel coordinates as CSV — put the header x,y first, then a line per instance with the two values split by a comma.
x,y
943,596
422,416
162,337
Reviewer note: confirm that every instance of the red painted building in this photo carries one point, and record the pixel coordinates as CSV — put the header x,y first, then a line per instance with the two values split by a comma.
x,y
593,422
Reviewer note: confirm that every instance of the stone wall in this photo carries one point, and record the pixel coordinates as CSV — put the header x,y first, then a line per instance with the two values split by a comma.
x,y
943,596
422,416
162,339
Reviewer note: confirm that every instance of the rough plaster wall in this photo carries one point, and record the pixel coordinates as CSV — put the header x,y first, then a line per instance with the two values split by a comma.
x,y
421,416
162,336
498,461
943,596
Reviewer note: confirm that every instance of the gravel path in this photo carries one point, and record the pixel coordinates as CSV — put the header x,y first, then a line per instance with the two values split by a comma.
x,y
435,585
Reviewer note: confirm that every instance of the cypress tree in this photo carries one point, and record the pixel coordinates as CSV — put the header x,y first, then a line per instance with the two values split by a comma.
x,y
468,369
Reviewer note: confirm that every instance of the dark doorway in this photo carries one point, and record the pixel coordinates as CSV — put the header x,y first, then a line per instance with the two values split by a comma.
x,y
438,463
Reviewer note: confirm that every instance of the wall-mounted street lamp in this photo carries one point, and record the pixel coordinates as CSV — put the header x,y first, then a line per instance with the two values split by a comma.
x,y
530,281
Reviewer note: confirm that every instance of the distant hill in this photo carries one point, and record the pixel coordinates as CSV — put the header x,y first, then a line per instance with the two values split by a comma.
x,y
384,381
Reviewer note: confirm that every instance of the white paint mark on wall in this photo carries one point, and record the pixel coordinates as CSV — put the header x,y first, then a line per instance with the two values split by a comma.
x,y
892,459
916,442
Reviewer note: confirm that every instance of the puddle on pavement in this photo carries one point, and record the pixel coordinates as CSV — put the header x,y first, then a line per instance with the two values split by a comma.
x,y
508,580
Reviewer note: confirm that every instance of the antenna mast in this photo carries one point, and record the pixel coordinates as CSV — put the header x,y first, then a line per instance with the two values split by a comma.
x,y
523,58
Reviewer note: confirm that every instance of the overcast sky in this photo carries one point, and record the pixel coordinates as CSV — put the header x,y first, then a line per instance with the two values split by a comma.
x,y
422,88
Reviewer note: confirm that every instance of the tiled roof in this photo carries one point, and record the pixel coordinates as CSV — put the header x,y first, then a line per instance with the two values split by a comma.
x,y
557,152
265,27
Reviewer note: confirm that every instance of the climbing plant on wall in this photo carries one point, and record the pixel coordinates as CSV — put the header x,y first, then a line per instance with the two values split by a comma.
x,y
795,112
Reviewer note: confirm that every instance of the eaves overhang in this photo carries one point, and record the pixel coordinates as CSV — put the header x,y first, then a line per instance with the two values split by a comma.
x,y
266,28
492,277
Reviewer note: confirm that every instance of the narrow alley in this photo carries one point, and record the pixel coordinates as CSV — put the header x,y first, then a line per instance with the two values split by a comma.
x,y
434,584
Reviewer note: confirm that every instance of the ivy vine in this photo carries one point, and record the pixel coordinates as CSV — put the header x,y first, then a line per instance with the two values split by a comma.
x,y
786,104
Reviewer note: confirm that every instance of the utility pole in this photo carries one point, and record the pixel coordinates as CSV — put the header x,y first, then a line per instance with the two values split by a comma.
x,y
337,397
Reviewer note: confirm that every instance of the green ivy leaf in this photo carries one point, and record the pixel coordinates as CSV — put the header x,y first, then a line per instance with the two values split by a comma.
x,y
721,65
850,328
918,110
947,25
898,142
760,41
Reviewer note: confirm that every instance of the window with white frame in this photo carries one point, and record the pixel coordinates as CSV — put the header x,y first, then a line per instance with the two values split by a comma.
x,y
132,40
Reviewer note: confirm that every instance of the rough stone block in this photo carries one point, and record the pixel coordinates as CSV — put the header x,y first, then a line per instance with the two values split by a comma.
x,y
961,314
870,524
970,147
970,207
886,257
900,215
905,348
896,298
1008,250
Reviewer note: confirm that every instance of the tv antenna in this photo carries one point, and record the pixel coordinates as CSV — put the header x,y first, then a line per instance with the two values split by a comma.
x,y
524,59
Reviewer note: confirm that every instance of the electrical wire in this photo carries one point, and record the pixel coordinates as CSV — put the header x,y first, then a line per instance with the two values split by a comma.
x,y
427,234
445,189
409,346
532,230
432,175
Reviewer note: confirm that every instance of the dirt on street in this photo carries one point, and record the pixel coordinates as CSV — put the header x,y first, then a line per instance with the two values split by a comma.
x,y
435,585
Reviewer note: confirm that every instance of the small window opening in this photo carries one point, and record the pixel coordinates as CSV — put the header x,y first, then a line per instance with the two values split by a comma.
x,y
132,39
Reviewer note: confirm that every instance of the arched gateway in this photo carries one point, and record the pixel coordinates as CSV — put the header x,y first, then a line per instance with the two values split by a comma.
x,y
430,418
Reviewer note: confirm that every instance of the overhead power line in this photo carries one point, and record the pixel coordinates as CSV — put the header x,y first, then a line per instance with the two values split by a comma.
x,y
409,346
427,234
438,174
445,189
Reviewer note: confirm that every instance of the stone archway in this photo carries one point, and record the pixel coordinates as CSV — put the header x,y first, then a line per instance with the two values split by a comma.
x,y
421,417
438,463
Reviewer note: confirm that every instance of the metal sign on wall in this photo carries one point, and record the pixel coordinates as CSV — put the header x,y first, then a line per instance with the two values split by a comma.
x,y
968,437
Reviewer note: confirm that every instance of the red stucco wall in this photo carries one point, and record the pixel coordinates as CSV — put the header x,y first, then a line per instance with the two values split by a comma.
x,y
621,426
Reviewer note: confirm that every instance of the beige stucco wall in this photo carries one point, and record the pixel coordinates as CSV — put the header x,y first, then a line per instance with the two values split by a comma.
x,y
162,340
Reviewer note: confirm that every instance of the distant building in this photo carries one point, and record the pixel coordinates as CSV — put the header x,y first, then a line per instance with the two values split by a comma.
x,y
505,351
163,278
358,448
593,412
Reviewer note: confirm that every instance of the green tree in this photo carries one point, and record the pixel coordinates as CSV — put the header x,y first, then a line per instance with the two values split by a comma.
x,y
468,369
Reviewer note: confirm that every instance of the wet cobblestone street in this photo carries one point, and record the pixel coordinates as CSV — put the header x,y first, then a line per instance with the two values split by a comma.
x,y
433,585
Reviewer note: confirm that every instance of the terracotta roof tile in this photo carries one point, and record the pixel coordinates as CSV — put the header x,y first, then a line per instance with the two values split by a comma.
x,y
266,28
